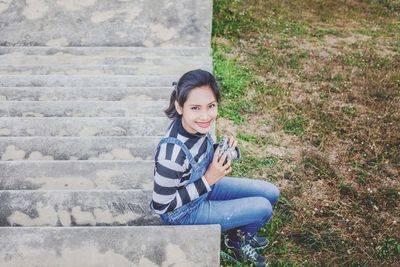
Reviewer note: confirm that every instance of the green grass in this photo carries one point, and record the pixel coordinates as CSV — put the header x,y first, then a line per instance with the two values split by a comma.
x,y
295,125
318,237
389,247
247,137
318,168
349,110
250,165
346,113
368,59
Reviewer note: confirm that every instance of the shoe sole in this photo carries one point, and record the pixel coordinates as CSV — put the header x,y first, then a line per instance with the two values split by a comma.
x,y
228,257
260,248
257,248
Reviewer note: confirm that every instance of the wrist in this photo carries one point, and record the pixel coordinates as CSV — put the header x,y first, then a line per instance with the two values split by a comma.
x,y
208,179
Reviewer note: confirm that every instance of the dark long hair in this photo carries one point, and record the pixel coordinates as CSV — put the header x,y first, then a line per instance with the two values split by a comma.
x,y
186,83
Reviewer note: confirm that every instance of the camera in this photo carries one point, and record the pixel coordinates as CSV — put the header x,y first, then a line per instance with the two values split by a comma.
x,y
233,152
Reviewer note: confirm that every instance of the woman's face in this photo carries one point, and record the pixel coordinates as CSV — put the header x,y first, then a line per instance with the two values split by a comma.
x,y
199,111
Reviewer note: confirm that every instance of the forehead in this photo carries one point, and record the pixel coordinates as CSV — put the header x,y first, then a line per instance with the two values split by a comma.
x,y
202,95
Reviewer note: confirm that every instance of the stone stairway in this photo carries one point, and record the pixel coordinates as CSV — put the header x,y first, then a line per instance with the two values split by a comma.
x,y
83,86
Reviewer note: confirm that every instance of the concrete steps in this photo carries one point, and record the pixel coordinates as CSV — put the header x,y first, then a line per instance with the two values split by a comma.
x,y
87,80
83,87
147,246
84,93
98,61
83,126
102,53
76,208
82,108
78,148
164,69
76,175
134,23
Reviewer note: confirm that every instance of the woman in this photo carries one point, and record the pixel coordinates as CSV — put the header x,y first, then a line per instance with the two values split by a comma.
x,y
190,182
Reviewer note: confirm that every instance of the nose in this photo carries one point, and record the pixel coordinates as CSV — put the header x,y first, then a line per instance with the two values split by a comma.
x,y
204,116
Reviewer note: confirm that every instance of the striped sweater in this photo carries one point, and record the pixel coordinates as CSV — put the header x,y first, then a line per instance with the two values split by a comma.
x,y
172,170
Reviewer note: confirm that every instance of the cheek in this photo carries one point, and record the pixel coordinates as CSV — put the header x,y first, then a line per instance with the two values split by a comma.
x,y
213,113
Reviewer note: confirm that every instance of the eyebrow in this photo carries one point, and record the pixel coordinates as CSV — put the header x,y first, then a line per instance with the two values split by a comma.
x,y
200,105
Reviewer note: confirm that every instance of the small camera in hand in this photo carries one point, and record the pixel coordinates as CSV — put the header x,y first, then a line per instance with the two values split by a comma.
x,y
233,153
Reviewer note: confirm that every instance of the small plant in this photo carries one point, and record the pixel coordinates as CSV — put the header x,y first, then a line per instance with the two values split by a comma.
x,y
389,247
295,125
349,110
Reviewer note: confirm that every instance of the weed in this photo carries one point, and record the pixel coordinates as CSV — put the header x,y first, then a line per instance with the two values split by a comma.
x,y
368,59
391,197
317,167
324,96
389,5
295,60
347,190
283,214
319,236
247,137
272,90
380,94
349,110
321,32
389,247
250,165
354,59
295,125
232,78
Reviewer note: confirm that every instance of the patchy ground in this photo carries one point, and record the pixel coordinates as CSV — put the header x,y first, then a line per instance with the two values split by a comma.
x,y
311,89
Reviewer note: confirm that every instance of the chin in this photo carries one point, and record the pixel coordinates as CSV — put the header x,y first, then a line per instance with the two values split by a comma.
x,y
204,130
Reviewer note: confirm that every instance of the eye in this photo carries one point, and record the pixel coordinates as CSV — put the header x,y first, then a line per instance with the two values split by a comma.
x,y
212,106
194,108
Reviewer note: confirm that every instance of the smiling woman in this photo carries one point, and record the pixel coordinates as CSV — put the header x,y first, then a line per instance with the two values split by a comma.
x,y
199,110
190,182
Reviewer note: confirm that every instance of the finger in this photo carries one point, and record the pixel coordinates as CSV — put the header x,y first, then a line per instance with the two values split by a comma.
x,y
235,143
228,170
223,158
215,159
231,141
227,164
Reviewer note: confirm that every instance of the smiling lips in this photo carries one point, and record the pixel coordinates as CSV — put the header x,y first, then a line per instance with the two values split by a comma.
x,y
204,124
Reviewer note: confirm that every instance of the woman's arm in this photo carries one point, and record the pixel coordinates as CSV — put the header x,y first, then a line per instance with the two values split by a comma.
x,y
167,195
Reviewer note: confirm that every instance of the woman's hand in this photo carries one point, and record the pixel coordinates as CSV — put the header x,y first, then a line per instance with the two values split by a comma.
x,y
216,170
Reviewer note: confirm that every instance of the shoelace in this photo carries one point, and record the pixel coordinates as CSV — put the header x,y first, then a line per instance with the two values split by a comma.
x,y
249,251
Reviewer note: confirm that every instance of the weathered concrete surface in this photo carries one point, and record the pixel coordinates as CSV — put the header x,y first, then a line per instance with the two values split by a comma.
x,y
145,246
79,128
84,93
105,23
104,54
83,126
78,148
87,80
165,69
83,108
20,60
76,207
77,175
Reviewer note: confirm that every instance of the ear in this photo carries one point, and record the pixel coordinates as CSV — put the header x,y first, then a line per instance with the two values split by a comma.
x,y
178,108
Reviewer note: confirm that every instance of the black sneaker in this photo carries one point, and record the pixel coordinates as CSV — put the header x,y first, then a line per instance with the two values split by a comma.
x,y
259,242
248,255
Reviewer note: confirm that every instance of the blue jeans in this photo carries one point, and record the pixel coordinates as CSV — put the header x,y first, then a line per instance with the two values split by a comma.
x,y
236,204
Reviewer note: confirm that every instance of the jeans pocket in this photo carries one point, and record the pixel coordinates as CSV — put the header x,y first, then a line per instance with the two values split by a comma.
x,y
176,216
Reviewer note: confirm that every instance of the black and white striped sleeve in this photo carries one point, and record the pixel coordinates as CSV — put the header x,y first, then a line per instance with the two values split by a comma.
x,y
168,193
